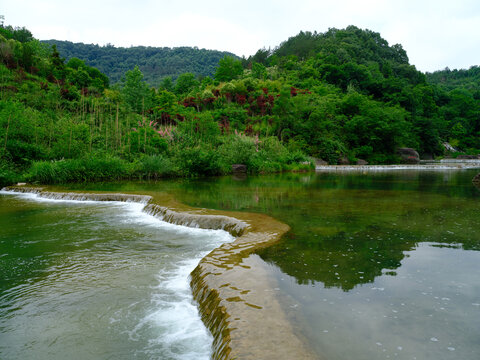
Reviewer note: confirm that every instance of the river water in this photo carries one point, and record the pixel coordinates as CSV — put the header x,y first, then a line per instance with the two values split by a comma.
x,y
376,266
93,280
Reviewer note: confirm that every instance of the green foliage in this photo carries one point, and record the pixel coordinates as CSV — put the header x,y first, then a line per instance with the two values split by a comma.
x,y
344,93
167,84
237,150
8,176
155,63
85,169
197,161
228,69
156,166
135,90
185,83
20,34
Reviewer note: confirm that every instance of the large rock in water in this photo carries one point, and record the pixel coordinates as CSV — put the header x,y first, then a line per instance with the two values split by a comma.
x,y
408,155
239,168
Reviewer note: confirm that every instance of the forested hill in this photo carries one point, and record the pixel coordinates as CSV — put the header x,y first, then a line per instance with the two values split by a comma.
x,y
345,95
451,79
155,63
351,43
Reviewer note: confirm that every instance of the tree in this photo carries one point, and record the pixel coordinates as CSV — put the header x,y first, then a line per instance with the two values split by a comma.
x,y
135,90
185,83
167,84
259,71
228,69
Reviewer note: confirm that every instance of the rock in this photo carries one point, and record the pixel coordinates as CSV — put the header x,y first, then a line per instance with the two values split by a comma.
x,y
476,180
449,147
320,162
239,168
343,161
408,156
467,157
362,162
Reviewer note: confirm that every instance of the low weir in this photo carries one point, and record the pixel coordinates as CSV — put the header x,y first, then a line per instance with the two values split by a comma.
x,y
427,166
237,299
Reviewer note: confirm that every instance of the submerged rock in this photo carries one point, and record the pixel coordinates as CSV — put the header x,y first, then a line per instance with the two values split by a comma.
x,y
476,180
408,156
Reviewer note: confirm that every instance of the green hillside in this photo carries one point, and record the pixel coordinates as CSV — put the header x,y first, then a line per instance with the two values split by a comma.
x,y
155,63
343,94
452,79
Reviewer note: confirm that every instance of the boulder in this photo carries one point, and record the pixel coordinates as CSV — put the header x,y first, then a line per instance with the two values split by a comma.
x,y
343,161
408,156
239,168
362,162
320,162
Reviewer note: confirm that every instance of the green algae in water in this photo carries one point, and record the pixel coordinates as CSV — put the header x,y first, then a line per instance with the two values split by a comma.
x,y
89,280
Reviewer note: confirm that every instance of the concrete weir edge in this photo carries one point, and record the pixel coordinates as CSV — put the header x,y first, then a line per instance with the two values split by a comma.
x,y
234,292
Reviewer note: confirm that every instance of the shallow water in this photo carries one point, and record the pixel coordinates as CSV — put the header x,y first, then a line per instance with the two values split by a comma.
x,y
376,266
92,280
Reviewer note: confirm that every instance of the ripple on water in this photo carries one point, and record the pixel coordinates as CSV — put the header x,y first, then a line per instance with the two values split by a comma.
x,y
106,281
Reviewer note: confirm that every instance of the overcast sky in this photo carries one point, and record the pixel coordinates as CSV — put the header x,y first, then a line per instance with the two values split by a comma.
x,y
435,33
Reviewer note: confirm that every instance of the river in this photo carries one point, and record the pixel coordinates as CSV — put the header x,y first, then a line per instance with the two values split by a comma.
x,y
376,265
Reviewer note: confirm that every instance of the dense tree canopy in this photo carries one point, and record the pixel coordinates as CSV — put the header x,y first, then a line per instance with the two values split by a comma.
x,y
228,69
155,63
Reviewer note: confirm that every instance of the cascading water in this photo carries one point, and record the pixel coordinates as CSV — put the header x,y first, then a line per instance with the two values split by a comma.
x,y
96,280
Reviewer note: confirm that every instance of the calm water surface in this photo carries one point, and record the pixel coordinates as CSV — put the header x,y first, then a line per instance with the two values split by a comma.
x,y
376,266
91,280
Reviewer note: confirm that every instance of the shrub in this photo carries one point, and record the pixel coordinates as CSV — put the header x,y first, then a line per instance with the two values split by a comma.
x,y
156,166
74,170
8,176
236,150
198,161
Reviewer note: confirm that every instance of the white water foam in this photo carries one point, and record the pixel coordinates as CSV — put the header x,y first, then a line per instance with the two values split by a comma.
x,y
173,314
39,198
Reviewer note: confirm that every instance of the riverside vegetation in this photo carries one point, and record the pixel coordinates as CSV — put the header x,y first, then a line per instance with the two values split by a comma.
x,y
339,94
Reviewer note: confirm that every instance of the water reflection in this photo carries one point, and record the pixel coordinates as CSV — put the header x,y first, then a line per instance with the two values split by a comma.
x,y
347,228
375,266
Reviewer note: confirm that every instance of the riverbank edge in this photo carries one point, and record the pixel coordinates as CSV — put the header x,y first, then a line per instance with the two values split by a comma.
x,y
235,296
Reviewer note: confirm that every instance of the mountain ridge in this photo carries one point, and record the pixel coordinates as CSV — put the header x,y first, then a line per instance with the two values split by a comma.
x,y
156,63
